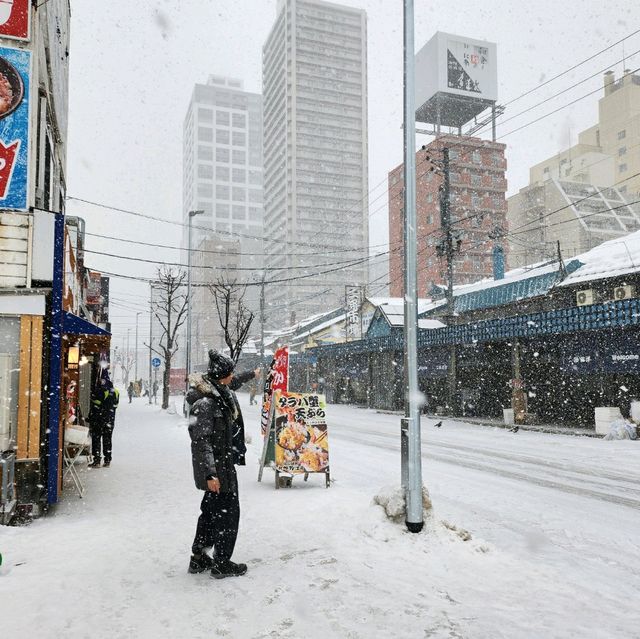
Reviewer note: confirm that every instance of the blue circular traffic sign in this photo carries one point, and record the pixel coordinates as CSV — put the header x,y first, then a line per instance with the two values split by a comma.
x,y
155,362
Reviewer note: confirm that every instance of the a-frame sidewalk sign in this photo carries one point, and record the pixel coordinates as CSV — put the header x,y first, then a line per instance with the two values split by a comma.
x,y
294,428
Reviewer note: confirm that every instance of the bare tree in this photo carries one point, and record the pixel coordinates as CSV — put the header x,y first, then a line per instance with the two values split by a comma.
x,y
235,318
125,363
170,309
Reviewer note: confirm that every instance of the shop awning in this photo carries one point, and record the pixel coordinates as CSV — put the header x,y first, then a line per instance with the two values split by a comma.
x,y
74,325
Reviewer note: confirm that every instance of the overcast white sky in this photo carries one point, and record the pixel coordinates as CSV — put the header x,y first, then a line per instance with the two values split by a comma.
x,y
134,64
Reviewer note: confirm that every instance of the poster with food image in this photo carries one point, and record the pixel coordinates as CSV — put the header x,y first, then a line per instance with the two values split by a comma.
x,y
302,445
15,76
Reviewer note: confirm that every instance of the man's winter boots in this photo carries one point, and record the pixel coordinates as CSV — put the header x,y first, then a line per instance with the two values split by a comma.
x,y
227,568
200,563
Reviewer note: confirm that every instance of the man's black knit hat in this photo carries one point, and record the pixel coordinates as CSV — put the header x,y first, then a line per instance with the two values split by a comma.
x,y
220,366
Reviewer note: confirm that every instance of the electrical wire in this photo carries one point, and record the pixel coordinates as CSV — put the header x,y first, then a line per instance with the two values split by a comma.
x,y
219,268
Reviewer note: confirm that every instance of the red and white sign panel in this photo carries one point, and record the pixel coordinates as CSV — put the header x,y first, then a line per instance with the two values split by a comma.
x,y
15,16
281,369
277,379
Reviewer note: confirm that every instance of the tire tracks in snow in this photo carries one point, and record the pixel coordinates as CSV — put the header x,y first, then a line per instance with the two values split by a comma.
x,y
472,458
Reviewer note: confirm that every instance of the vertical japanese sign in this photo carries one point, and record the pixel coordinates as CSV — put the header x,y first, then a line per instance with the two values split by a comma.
x,y
302,445
277,379
15,19
15,77
93,294
469,67
353,321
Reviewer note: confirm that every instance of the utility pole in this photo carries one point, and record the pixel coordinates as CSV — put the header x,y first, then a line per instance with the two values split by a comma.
x,y
150,337
449,250
128,357
135,374
410,446
188,362
262,320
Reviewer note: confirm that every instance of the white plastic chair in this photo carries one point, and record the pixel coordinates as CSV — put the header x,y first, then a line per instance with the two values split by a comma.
x,y
77,442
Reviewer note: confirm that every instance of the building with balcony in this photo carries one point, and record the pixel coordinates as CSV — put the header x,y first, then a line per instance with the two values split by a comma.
x,y
223,178
478,212
607,156
314,74
569,217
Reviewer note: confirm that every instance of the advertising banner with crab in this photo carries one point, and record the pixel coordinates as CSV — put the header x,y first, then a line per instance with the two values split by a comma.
x,y
15,75
300,420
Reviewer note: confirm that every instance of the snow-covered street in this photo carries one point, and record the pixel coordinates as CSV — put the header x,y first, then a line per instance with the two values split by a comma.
x,y
554,549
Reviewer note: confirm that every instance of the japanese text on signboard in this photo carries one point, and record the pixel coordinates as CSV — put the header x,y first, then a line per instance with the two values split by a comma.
x,y
353,320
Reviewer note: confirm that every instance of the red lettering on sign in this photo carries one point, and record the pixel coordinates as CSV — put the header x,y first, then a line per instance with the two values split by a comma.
x,y
8,156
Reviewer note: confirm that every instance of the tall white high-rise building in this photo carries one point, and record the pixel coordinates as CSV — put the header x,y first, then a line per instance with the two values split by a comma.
x,y
223,177
314,74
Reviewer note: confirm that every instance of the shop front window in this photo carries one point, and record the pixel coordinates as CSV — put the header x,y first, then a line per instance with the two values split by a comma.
x,y
9,380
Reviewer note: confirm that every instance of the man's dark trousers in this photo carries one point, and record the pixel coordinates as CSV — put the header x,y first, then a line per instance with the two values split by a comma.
x,y
101,434
217,524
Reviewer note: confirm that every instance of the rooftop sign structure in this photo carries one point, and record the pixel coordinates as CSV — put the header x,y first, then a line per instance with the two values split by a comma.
x,y
456,79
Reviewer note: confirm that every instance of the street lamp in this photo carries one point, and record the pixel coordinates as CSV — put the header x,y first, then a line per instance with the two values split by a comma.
x,y
135,375
188,365
128,357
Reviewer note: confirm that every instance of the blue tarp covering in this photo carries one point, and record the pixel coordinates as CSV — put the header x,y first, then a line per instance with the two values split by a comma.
x,y
74,325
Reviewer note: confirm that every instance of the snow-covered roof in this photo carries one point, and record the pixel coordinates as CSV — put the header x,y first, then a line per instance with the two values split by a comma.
x,y
616,257
394,314
396,304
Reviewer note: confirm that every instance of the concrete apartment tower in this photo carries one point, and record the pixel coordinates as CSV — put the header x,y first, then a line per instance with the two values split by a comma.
x,y
222,176
314,74
565,200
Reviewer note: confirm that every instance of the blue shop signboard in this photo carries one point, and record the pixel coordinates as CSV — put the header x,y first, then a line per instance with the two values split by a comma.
x,y
433,363
603,353
15,79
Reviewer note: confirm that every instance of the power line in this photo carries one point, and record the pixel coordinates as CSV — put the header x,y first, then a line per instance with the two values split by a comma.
x,y
451,144
567,206
573,86
221,252
575,66
227,268
267,282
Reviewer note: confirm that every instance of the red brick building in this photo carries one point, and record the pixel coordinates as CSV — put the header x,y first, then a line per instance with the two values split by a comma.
x,y
478,212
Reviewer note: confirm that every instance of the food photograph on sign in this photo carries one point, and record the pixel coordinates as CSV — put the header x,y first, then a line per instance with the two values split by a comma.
x,y
15,67
302,445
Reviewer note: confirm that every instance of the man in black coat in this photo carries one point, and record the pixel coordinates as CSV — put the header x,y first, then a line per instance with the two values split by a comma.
x,y
102,419
217,445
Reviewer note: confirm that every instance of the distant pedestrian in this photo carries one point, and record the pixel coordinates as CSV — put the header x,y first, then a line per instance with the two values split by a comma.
x,y
130,391
254,387
102,419
217,445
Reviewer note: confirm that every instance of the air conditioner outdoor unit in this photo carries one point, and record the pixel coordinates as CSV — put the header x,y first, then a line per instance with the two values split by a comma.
x,y
586,297
624,292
